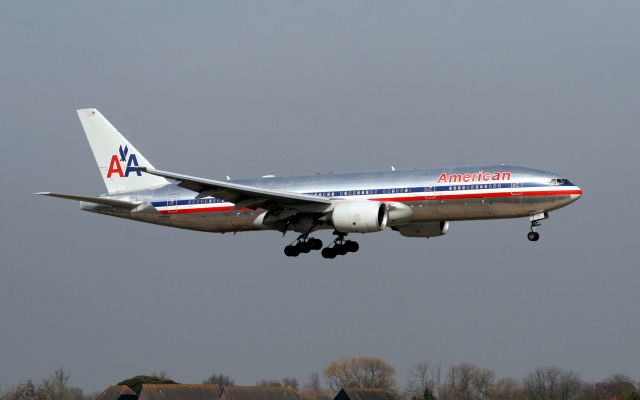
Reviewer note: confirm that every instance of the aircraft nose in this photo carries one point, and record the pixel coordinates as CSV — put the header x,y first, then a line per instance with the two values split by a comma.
x,y
576,194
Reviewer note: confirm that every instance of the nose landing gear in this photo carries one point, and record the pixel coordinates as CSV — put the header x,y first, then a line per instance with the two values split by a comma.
x,y
535,219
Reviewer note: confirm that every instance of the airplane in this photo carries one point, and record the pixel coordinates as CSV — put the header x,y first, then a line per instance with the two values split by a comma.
x,y
415,203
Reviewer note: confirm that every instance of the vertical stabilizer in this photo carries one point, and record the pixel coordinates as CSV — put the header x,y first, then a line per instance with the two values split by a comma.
x,y
115,155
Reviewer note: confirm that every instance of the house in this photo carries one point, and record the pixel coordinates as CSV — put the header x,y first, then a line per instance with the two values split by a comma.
x,y
179,392
364,394
117,392
259,393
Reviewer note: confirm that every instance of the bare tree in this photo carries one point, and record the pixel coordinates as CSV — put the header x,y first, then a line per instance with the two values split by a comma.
x,y
313,389
507,389
614,387
362,372
160,374
291,382
482,383
268,382
30,391
23,391
91,396
552,384
467,382
285,382
55,387
76,393
423,379
219,379
635,395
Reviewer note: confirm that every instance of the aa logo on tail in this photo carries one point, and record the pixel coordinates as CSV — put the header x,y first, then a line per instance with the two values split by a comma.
x,y
115,166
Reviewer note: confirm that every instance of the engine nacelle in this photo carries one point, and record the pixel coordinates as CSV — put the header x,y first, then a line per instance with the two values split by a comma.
x,y
399,213
424,229
359,216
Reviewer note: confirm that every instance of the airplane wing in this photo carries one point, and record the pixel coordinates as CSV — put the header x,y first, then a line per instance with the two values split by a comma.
x,y
242,195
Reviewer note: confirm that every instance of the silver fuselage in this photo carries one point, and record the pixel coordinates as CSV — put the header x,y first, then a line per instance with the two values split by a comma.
x,y
441,194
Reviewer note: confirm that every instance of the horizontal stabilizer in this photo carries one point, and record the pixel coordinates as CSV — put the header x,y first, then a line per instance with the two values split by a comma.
x,y
92,199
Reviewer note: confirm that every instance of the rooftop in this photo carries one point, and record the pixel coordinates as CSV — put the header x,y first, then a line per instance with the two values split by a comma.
x,y
260,393
179,392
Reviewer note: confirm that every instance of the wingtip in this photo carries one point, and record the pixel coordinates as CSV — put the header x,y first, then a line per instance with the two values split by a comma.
x,y
87,112
42,193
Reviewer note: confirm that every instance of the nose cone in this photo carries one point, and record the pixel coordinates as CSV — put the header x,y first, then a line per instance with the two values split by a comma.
x,y
576,194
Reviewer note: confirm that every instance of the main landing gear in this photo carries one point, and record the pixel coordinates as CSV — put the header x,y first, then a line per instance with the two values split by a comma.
x,y
302,245
535,222
340,247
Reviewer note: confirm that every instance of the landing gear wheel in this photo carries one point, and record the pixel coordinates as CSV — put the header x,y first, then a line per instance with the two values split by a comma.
x,y
316,244
303,244
291,251
340,246
328,252
535,219
304,247
351,246
340,249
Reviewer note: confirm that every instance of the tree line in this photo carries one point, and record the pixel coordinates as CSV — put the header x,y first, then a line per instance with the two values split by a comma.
x,y
425,381
53,387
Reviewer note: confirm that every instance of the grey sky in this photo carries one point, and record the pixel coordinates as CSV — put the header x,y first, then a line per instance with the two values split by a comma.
x,y
249,88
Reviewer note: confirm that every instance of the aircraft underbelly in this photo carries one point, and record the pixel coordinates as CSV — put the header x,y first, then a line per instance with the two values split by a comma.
x,y
427,210
485,208
234,221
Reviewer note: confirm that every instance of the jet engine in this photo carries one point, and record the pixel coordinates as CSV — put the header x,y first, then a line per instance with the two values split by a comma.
x,y
359,216
424,229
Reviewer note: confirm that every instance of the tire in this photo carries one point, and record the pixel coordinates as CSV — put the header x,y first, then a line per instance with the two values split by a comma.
x,y
328,253
304,247
340,249
352,246
316,244
533,236
291,251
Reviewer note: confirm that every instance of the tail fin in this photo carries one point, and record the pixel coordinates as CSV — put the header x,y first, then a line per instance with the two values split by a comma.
x,y
115,155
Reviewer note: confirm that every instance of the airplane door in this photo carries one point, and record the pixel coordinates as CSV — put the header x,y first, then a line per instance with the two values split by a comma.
x,y
172,204
516,188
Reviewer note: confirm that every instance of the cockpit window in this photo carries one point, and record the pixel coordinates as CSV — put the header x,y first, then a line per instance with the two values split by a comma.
x,y
559,181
